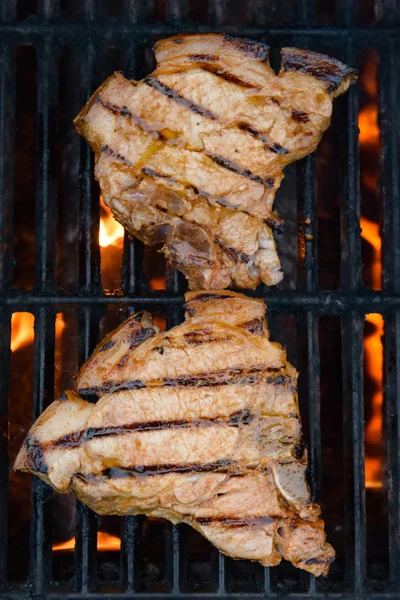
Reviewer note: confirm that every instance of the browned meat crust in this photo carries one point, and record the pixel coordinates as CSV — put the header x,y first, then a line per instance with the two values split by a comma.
x,y
198,424
192,156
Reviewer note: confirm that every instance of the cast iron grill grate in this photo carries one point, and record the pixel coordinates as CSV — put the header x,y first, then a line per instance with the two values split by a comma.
x,y
74,45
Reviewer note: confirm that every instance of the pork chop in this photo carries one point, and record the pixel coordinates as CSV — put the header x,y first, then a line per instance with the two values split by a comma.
x,y
191,157
198,424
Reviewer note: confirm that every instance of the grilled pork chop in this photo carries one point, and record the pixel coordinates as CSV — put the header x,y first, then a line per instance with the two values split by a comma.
x,y
192,156
198,424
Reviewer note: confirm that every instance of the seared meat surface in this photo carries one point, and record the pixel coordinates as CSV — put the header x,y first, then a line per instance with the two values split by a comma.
x,y
192,156
197,424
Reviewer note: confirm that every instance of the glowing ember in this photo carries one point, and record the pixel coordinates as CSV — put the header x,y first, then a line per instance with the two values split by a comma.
x,y
21,330
157,283
105,543
111,232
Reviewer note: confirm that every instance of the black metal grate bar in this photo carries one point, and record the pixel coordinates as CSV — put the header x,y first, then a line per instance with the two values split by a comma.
x,y
89,207
43,389
7,11
353,445
366,595
45,205
390,158
48,9
346,12
350,214
306,12
387,12
321,302
7,118
309,225
86,535
5,335
176,11
217,12
128,553
352,356
392,420
366,37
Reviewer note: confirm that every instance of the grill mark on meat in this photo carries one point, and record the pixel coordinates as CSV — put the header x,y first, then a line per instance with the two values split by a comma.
x,y
206,297
249,375
276,223
255,49
150,173
198,337
300,116
254,132
124,111
77,438
235,168
269,182
276,148
227,75
220,466
35,455
252,521
107,346
255,326
110,386
319,561
233,253
298,450
207,380
123,361
281,380
120,110
173,94
203,57
110,152
140,335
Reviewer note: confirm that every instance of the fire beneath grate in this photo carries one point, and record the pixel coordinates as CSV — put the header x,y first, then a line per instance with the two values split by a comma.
x,y
69,274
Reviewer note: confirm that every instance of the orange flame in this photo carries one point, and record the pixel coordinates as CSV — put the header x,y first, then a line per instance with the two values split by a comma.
x,y
374,364
373,431
105,542
22,332
111,232
111,238
373,349
368,125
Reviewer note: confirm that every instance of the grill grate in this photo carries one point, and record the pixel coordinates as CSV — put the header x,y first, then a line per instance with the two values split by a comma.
x,y
130,28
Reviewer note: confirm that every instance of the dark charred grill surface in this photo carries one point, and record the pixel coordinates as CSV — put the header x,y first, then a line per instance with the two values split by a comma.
x,y
61,51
